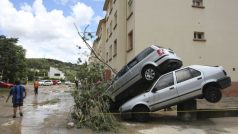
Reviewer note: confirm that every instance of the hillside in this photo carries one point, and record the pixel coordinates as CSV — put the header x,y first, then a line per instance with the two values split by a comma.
x,y
39,67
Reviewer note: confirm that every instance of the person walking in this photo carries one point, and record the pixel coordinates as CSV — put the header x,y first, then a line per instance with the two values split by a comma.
x,y
18,93
36,86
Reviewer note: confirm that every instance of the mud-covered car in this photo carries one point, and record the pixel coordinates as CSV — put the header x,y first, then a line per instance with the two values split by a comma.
x,y
145,68
177,86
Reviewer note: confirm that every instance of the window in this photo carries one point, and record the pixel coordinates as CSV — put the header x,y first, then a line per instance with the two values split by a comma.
x,y
199,36
110,53
115,20
56,74
107,57
130,41
165,81
130,2
194,72
132,63
110,29
107,32
183,75
198,3
129,9
122,72
115,48
110,7
186,74
144,53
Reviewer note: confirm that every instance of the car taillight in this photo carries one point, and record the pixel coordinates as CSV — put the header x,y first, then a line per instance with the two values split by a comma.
x,y
160,52
224,72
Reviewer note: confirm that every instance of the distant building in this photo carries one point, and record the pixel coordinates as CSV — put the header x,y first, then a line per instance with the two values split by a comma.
x,y
55,73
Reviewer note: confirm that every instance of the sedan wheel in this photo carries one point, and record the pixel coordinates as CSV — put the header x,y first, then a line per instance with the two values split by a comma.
x,y
212,94
141,113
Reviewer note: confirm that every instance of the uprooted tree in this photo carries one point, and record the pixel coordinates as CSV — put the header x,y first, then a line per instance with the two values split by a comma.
x,y
92,103
91,107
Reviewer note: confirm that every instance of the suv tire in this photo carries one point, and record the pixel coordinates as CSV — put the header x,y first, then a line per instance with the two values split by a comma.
x,y
150,73
141,113
212,94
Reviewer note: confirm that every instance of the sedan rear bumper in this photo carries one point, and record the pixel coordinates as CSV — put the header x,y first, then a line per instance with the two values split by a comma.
x,y
224,82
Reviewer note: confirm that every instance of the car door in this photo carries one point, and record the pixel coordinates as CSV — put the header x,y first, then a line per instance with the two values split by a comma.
x,y
189,83
165,92
134,70
121,80
136,64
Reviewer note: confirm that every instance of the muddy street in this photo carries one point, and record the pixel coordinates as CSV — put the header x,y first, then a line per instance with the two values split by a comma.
x,y
46,113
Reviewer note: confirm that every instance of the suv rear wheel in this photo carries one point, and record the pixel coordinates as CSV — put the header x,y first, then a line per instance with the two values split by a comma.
x,y
150,73
212,94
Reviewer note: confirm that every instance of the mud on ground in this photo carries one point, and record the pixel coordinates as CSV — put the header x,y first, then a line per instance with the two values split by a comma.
x,y
48,113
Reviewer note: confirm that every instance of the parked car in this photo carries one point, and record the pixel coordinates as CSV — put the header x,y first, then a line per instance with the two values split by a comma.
x,y
55,82
41,82
48,83
6,85
67,83
177,86
147,66
59,82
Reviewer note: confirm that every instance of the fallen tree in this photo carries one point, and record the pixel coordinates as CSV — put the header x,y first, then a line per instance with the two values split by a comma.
x,y
91,107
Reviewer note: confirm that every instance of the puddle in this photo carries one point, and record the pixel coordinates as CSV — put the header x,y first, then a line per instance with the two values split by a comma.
x,y
8,123
48,102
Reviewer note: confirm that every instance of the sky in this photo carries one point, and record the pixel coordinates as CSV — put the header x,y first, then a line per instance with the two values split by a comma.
x,y
45,28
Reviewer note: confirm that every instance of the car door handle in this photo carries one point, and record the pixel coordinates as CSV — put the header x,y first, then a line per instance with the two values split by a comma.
x,y
199,78
171,88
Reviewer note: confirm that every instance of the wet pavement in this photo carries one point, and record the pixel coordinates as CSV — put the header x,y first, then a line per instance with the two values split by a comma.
x,y
48,113
166,122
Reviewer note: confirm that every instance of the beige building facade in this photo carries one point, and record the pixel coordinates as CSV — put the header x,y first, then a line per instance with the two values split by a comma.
x,y
99,44
199,31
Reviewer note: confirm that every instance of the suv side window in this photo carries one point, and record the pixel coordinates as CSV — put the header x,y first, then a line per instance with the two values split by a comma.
x,y
165,81
122,72
186,74
132,63
144,53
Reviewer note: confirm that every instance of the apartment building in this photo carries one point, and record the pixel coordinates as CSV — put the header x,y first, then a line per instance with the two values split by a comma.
x,y
199,31
99,42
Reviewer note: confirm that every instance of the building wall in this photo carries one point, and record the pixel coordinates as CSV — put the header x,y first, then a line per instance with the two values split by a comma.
x,y
54,71
117,33
100,43
171,24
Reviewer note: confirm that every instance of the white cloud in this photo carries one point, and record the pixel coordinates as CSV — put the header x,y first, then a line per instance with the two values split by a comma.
x,y
82,12
46,34
26,7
